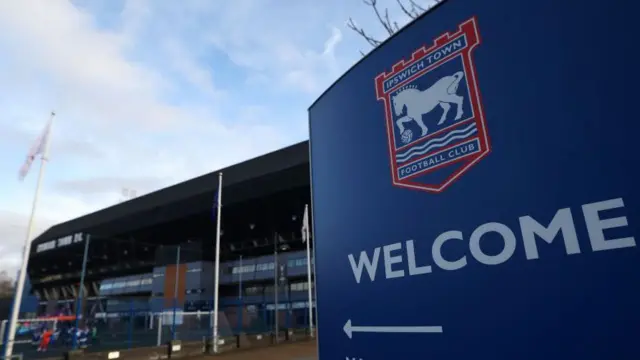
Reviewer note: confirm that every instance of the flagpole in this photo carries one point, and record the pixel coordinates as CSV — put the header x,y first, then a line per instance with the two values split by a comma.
x,y
309,283
240,304
17,300
81,294
275,288
240,282
217,267
175,294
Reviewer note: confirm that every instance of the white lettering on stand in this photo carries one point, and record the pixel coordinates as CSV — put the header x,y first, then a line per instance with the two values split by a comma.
x,y
46,246
77,238
61,242
530,230
64,241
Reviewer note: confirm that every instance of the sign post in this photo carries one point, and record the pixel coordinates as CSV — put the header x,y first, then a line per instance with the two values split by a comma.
x,y
474,192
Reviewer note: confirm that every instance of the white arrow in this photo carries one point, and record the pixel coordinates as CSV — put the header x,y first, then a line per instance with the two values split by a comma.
x,y
349,329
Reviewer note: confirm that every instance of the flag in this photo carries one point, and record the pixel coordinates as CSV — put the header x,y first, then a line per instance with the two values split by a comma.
x,y
305,224
214,209
37,148
216,201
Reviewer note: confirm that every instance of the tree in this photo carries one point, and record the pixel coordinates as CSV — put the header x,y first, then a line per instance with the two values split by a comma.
x,y
409,7
6,285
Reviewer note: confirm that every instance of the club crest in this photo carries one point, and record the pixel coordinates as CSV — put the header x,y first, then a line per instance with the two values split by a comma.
x,y
435,124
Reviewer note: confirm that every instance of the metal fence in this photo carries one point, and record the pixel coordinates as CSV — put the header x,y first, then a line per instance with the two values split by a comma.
x,y
24,328
143,329
184,326
126,330
233,320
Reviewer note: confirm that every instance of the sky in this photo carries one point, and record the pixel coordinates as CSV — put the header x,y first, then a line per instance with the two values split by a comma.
x,y
149,93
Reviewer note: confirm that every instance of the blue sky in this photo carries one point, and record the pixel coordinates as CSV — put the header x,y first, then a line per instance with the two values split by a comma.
x,y
149,93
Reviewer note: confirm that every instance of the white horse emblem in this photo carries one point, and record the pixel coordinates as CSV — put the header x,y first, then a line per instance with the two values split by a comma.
x,y
418,103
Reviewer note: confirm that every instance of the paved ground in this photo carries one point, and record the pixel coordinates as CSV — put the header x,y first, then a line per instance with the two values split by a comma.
x,y
297,351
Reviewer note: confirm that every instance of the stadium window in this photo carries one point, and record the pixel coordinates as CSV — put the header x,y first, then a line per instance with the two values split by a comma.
x,y
253,290
133,283
297,262
300,286
119,285
266,266
244,269
146,281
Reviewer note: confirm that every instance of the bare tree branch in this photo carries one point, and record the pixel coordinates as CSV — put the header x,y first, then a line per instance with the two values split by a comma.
x,y
405,11
6,285
384,21
417,7
391,27
352,25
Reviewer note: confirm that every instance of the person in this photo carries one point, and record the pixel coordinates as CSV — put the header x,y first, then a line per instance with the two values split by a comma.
x,y
36,336
94,333
55,336
83,336
69,334
46,338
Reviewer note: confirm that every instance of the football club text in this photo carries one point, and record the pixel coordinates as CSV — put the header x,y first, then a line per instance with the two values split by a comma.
x,y
426,61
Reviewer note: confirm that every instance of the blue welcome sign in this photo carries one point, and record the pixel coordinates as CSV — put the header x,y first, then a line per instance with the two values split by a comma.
x,y
475,191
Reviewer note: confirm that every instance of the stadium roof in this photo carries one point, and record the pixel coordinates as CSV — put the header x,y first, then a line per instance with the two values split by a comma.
x,y
264,175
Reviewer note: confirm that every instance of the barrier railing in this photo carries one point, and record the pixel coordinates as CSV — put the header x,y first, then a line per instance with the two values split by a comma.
x,y
133,330
175,349
25,327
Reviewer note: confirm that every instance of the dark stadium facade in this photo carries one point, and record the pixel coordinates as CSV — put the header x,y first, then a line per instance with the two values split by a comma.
x,y
139,248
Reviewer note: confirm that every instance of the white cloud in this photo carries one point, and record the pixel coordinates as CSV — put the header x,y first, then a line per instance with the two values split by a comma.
x,y
150,93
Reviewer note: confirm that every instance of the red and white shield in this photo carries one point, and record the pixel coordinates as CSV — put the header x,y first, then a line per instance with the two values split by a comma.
x,y
435,122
